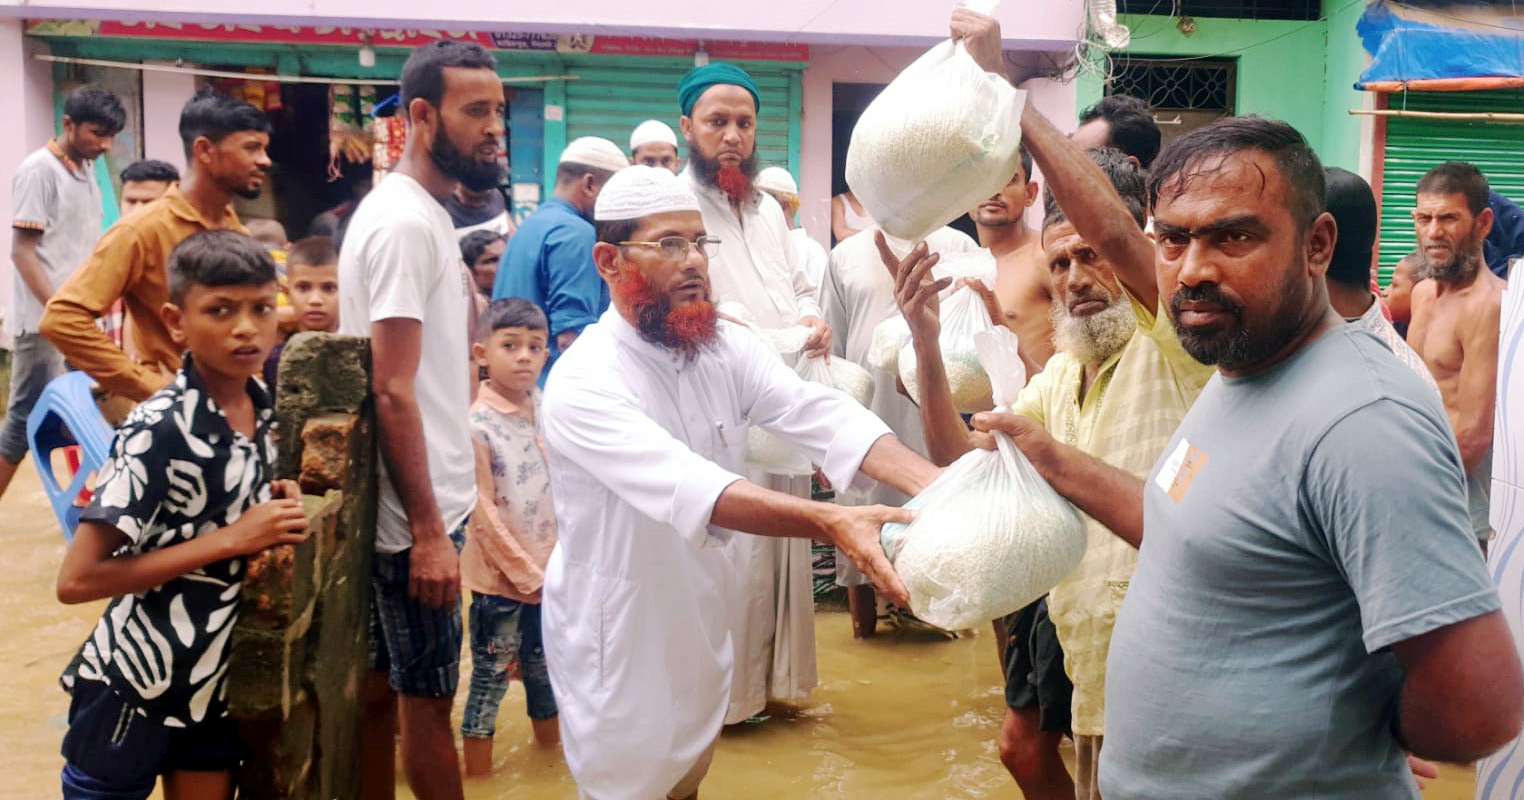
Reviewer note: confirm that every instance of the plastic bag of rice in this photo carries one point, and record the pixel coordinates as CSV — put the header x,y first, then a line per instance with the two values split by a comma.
x,y
889,337
941,137
841,374
990,535
786,342
963,315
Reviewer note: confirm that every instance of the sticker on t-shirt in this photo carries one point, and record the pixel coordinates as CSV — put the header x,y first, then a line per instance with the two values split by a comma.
x,y
1180,469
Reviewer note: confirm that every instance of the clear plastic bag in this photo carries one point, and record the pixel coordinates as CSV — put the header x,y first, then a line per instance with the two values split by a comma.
x,y
840,374
941,137
990,535
889,337
963,316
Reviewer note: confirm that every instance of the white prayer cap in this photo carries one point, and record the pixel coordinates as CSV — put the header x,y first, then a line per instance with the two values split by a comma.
x,y
595,152
652,131
641,191
777,180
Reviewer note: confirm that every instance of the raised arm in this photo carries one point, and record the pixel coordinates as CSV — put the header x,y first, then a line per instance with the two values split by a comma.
x,y
1082,190
916,294
1088,199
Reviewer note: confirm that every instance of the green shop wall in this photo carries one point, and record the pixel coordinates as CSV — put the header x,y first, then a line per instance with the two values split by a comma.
x,y
1283,70
546,100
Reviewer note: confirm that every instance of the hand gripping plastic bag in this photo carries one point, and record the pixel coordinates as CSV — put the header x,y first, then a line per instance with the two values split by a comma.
x,y
963,315
786,342
990,535
941,137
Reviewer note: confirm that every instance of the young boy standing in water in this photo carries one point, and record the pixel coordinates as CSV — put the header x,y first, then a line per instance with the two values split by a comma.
x,y
513,530
187,494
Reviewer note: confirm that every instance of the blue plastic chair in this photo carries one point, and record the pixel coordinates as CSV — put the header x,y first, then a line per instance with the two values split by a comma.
x,y
65,416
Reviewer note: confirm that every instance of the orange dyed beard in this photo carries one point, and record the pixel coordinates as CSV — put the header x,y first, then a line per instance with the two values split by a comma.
x,y
734,182
688,329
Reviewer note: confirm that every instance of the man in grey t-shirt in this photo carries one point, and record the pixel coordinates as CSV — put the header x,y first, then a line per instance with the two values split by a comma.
x,y
1309,602
55,220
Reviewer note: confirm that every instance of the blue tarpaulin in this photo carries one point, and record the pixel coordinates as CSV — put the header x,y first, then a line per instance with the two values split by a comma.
x,y
1406,51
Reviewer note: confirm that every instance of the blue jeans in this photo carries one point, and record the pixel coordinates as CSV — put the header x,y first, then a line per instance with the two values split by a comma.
x,y
34,363
503,632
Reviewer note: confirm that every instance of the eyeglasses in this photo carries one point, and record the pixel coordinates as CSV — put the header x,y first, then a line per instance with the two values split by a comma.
x,y
676,247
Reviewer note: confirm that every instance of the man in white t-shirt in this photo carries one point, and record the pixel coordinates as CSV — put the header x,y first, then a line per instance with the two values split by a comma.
x,y
406,288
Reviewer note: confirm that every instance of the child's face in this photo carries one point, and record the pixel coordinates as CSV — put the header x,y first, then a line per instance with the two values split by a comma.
x,y
513,357
229,329
314,293
1399,293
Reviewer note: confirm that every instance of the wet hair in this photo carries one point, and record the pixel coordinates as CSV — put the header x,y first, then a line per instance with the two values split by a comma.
x,y
313,251
619,230
150,170
423,76
512,312
95,105
1026,161
218,258
1353,206
1133,129
570,172
1201,151
1457,177
473,244
215,116
1125,176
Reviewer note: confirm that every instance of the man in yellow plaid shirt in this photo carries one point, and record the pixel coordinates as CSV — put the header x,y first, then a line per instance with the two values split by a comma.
x,y
1117,389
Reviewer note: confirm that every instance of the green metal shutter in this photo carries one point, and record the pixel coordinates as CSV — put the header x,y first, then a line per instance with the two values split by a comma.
x,y
611,101
1413,146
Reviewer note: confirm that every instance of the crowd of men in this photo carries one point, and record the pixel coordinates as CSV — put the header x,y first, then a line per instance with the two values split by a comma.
x,y
1214,376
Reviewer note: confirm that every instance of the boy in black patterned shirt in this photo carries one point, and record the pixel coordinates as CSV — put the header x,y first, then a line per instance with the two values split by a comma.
x,y
187,494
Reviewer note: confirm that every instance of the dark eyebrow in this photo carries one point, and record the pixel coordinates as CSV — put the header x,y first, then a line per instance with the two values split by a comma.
x,y
1250,222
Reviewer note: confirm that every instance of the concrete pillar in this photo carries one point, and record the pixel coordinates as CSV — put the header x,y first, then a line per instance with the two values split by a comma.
x,y
298,656
26,92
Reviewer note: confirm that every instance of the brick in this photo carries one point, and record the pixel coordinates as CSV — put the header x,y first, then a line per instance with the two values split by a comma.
x,y
327,444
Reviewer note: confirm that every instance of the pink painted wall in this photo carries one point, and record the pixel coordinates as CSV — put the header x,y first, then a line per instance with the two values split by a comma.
x,y
26,92
856,64
164,94
1028,24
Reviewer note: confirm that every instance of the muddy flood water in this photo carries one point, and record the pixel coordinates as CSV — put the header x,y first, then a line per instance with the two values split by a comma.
x,y
899,716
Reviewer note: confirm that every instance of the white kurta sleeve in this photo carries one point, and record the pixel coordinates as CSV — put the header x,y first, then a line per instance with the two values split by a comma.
x,y
825,425
611,439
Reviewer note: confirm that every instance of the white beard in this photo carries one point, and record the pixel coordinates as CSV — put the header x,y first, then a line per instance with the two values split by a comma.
x,y
1093,339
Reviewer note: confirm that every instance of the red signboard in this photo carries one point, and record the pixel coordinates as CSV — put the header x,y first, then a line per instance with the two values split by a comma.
x,y
355,37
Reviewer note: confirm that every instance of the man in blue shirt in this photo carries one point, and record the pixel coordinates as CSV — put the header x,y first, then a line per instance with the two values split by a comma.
x,y
550,260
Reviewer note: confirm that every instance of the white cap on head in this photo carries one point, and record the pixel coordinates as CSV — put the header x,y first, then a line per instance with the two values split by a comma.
x,y
776,179
595,152
641,191
652,131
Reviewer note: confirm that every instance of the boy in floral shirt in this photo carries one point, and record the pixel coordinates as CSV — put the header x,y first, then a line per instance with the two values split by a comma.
x,y
513,529
187,494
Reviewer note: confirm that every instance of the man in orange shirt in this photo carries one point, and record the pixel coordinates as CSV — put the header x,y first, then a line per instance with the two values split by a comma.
x,y
225,142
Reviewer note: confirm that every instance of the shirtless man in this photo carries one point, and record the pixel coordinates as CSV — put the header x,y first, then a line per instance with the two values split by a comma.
x,y
1021,280
1456,317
